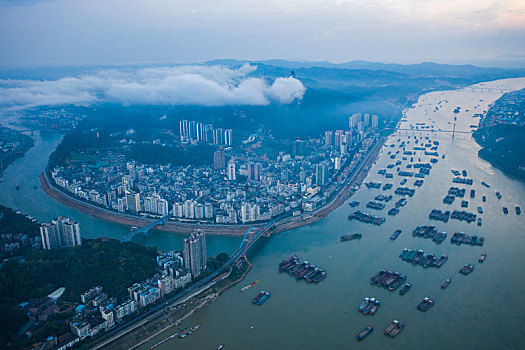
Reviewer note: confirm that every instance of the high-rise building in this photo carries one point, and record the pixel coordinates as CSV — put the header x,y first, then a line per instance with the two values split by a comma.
x,y
219,160
195,253
328,136
208,133
199,132
337,137
60,233
133,202
218,137
353,120
192,130
321,174
231,170
366,119
183,126
228,137
300,148
254,171
375,121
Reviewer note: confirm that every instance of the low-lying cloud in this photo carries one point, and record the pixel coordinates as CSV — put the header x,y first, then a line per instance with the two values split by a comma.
x,y
179,85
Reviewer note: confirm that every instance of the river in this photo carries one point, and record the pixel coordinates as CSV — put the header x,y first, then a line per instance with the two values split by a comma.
x,y
483,310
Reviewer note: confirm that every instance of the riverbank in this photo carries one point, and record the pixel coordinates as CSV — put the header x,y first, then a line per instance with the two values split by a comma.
x,y
171,316
281,225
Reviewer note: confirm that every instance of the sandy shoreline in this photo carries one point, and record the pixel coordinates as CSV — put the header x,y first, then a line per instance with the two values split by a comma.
x,y
284,224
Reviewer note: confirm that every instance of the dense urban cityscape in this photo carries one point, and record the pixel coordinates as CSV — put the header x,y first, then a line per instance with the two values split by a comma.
x,y
272,175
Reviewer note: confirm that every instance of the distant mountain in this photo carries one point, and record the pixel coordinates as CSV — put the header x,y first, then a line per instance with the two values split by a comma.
x,y
425,69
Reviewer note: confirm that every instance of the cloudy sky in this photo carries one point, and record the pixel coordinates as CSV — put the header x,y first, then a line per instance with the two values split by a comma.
x,y
36,32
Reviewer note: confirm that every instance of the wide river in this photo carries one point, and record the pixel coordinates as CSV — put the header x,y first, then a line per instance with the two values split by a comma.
x,y
484,310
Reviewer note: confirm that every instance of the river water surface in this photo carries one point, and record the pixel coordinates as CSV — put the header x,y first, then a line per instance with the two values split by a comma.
x,y
484,310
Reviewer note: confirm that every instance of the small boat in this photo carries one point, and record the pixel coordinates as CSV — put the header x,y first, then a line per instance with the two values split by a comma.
x,y
479,221
353,204
518,211
498,195
484,198
395,235
482,257
243,289
464,173
405,289
350,237
219,347
17,187
364,333
505,210
480,210
485,184
446,283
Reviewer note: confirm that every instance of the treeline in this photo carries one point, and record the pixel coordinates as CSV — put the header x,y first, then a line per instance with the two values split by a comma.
x,y
11,222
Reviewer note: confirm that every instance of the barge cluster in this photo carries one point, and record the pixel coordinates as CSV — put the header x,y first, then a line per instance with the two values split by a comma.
x,y
367,218
460,238
369,306
304,270
388,279
429,232
419,257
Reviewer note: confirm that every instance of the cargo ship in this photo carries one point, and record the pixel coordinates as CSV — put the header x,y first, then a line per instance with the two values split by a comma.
x,y
394,328
244,289
350,237
395,235
261,298
364,333
446,283
369,306
426,304
466,269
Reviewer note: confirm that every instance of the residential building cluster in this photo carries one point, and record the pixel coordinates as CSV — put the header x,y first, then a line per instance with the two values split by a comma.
x,y
239,187
98,311
60,233
193,131
509,109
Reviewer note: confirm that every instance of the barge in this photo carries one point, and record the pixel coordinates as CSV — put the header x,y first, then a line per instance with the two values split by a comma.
x,y
350,237
466,269
426,304
364,333
395,235
394,328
